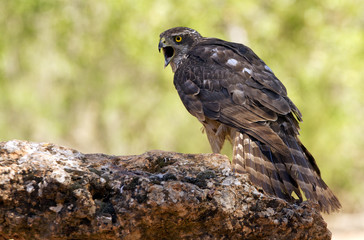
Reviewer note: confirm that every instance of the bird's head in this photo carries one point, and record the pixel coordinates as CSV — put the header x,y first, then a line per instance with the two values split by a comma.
x,y
175,44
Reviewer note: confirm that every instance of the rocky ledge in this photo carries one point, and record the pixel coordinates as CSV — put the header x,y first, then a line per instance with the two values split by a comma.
x,y
52,192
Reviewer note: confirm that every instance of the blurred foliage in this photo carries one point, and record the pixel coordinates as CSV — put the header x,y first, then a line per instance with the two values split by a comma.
x,y
87,74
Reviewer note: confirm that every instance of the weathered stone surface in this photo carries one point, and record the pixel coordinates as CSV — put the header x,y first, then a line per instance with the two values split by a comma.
x,y
52,192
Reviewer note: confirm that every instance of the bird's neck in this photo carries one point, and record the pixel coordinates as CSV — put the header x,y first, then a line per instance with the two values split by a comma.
x,y
176,61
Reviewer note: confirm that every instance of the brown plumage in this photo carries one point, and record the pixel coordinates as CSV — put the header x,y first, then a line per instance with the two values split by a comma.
x,y
237,97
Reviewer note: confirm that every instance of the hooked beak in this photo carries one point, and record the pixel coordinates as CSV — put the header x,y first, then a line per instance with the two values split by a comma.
x,y
168,51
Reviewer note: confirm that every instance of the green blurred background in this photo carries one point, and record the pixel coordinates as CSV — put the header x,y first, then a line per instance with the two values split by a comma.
x,y
88,75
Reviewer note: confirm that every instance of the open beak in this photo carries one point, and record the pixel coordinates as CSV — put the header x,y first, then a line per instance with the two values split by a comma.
x,y
168,51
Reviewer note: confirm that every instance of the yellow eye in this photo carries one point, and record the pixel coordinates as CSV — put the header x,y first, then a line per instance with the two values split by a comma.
x,y
178,38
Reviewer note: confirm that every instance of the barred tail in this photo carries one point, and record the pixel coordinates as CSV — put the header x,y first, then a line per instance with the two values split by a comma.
x,y
281,175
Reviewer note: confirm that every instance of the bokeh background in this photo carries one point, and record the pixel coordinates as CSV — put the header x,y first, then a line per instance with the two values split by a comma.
x,y
88,75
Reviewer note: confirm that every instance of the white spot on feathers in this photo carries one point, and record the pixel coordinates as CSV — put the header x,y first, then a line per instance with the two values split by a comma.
x,y
232,62
268,68
214,55
240,147
248,71
238,156
241,136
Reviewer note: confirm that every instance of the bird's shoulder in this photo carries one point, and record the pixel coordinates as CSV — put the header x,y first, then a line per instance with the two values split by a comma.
x,y
219,50
213,59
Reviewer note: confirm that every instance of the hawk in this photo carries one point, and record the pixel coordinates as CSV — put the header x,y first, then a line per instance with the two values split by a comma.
x,y
237,97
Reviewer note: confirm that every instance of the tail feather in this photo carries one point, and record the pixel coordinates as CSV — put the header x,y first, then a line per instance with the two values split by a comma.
x,y
290,186
312,185
277,184
297,166
281,175
250,158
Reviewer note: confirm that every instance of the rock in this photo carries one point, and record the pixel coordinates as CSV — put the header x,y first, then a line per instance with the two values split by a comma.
x,y
53,192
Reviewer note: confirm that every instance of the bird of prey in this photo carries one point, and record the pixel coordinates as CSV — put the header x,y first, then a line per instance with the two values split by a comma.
x,y
237,97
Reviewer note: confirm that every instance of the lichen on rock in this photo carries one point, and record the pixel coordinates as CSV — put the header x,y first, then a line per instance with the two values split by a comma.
x,y
53,192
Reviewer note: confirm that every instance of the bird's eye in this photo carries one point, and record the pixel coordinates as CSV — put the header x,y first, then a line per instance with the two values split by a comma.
x,y
178,38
